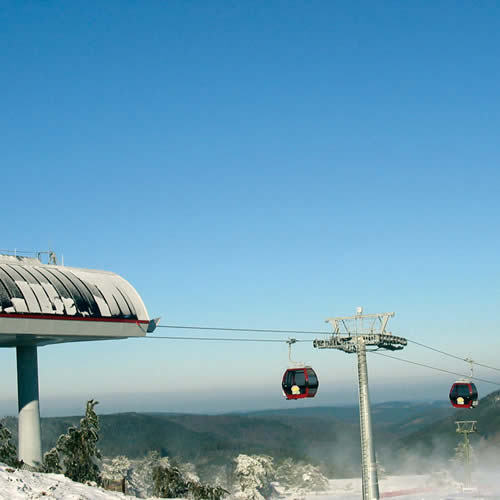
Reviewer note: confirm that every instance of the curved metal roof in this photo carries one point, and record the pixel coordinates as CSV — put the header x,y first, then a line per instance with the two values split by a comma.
x,y
28,287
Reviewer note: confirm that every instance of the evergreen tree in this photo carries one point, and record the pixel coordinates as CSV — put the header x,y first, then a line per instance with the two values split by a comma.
x,y
188,471
51,462
300,477
313,479
169,482
158,476
199,491
8,452
116,469
76,453
287,474
140,481
254,475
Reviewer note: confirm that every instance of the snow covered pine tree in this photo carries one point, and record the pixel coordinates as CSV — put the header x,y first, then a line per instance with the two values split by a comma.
x,y
253,475
8,452
168,481
76,454
140,477
116,473
171,481
300,477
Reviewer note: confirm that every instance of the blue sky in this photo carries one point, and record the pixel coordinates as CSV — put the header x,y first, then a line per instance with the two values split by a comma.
x,y
258,164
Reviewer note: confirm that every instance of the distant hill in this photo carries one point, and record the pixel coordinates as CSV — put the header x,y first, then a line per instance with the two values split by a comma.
x,y
399,417
328,436
439,438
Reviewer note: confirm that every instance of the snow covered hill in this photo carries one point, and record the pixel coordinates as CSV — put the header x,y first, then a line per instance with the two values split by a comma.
x,y
23,484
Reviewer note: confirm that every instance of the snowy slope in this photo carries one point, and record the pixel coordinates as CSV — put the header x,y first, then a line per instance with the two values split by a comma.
x,y
420,487
391,486
23,484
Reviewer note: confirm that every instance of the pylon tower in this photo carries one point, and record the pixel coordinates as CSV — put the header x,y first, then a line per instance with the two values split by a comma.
x,y
353,334
466,427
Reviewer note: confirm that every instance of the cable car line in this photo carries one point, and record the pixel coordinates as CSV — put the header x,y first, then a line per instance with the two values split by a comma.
x,y
437,369
221,339
300,380
242,330
309,332
467,360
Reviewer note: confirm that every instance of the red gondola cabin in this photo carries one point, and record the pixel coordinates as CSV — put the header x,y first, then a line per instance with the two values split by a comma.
x,y
463,394
300,383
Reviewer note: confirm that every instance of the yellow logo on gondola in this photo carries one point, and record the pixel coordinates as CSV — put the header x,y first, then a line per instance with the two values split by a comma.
x,y
460,400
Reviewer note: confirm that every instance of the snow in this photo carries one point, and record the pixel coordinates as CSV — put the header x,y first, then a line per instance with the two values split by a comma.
x,y
23,484
351,488
47,288
409,487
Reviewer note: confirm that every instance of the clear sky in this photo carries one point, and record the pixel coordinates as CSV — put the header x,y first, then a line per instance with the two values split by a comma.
x,y
260,164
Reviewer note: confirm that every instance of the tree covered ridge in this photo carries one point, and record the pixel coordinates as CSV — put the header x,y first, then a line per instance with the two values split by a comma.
x,y
77,456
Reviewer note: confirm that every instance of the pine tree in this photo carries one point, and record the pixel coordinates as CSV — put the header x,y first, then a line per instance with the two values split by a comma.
x,y
51,462
188,471
169,482
158,476
287,474
118,468
313,479
254,475
199,491
140,480
76,453
300,477
8,452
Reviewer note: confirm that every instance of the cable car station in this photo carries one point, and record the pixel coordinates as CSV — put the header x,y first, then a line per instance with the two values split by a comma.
x,y
43,304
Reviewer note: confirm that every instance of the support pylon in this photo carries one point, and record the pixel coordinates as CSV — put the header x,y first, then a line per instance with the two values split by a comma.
x,y
466,427
368,461
30,442
352,334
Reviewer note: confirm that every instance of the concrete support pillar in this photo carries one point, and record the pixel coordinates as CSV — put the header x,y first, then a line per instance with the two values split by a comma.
x,y
30,442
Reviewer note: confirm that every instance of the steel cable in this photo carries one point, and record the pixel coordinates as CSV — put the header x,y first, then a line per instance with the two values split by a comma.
x,y
437,369
314,332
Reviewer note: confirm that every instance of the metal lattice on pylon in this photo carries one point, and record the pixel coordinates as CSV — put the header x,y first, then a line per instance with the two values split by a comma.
x,y
371,328
466,427
352,334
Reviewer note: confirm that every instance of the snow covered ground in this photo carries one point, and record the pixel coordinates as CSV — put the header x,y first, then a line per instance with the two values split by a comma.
x,y
390,487
22,484
416,487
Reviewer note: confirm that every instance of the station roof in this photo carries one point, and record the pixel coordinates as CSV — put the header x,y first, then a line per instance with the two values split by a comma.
x,y
30,289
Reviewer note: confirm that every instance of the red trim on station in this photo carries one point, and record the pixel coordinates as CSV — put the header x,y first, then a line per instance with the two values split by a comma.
x,y
72,318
